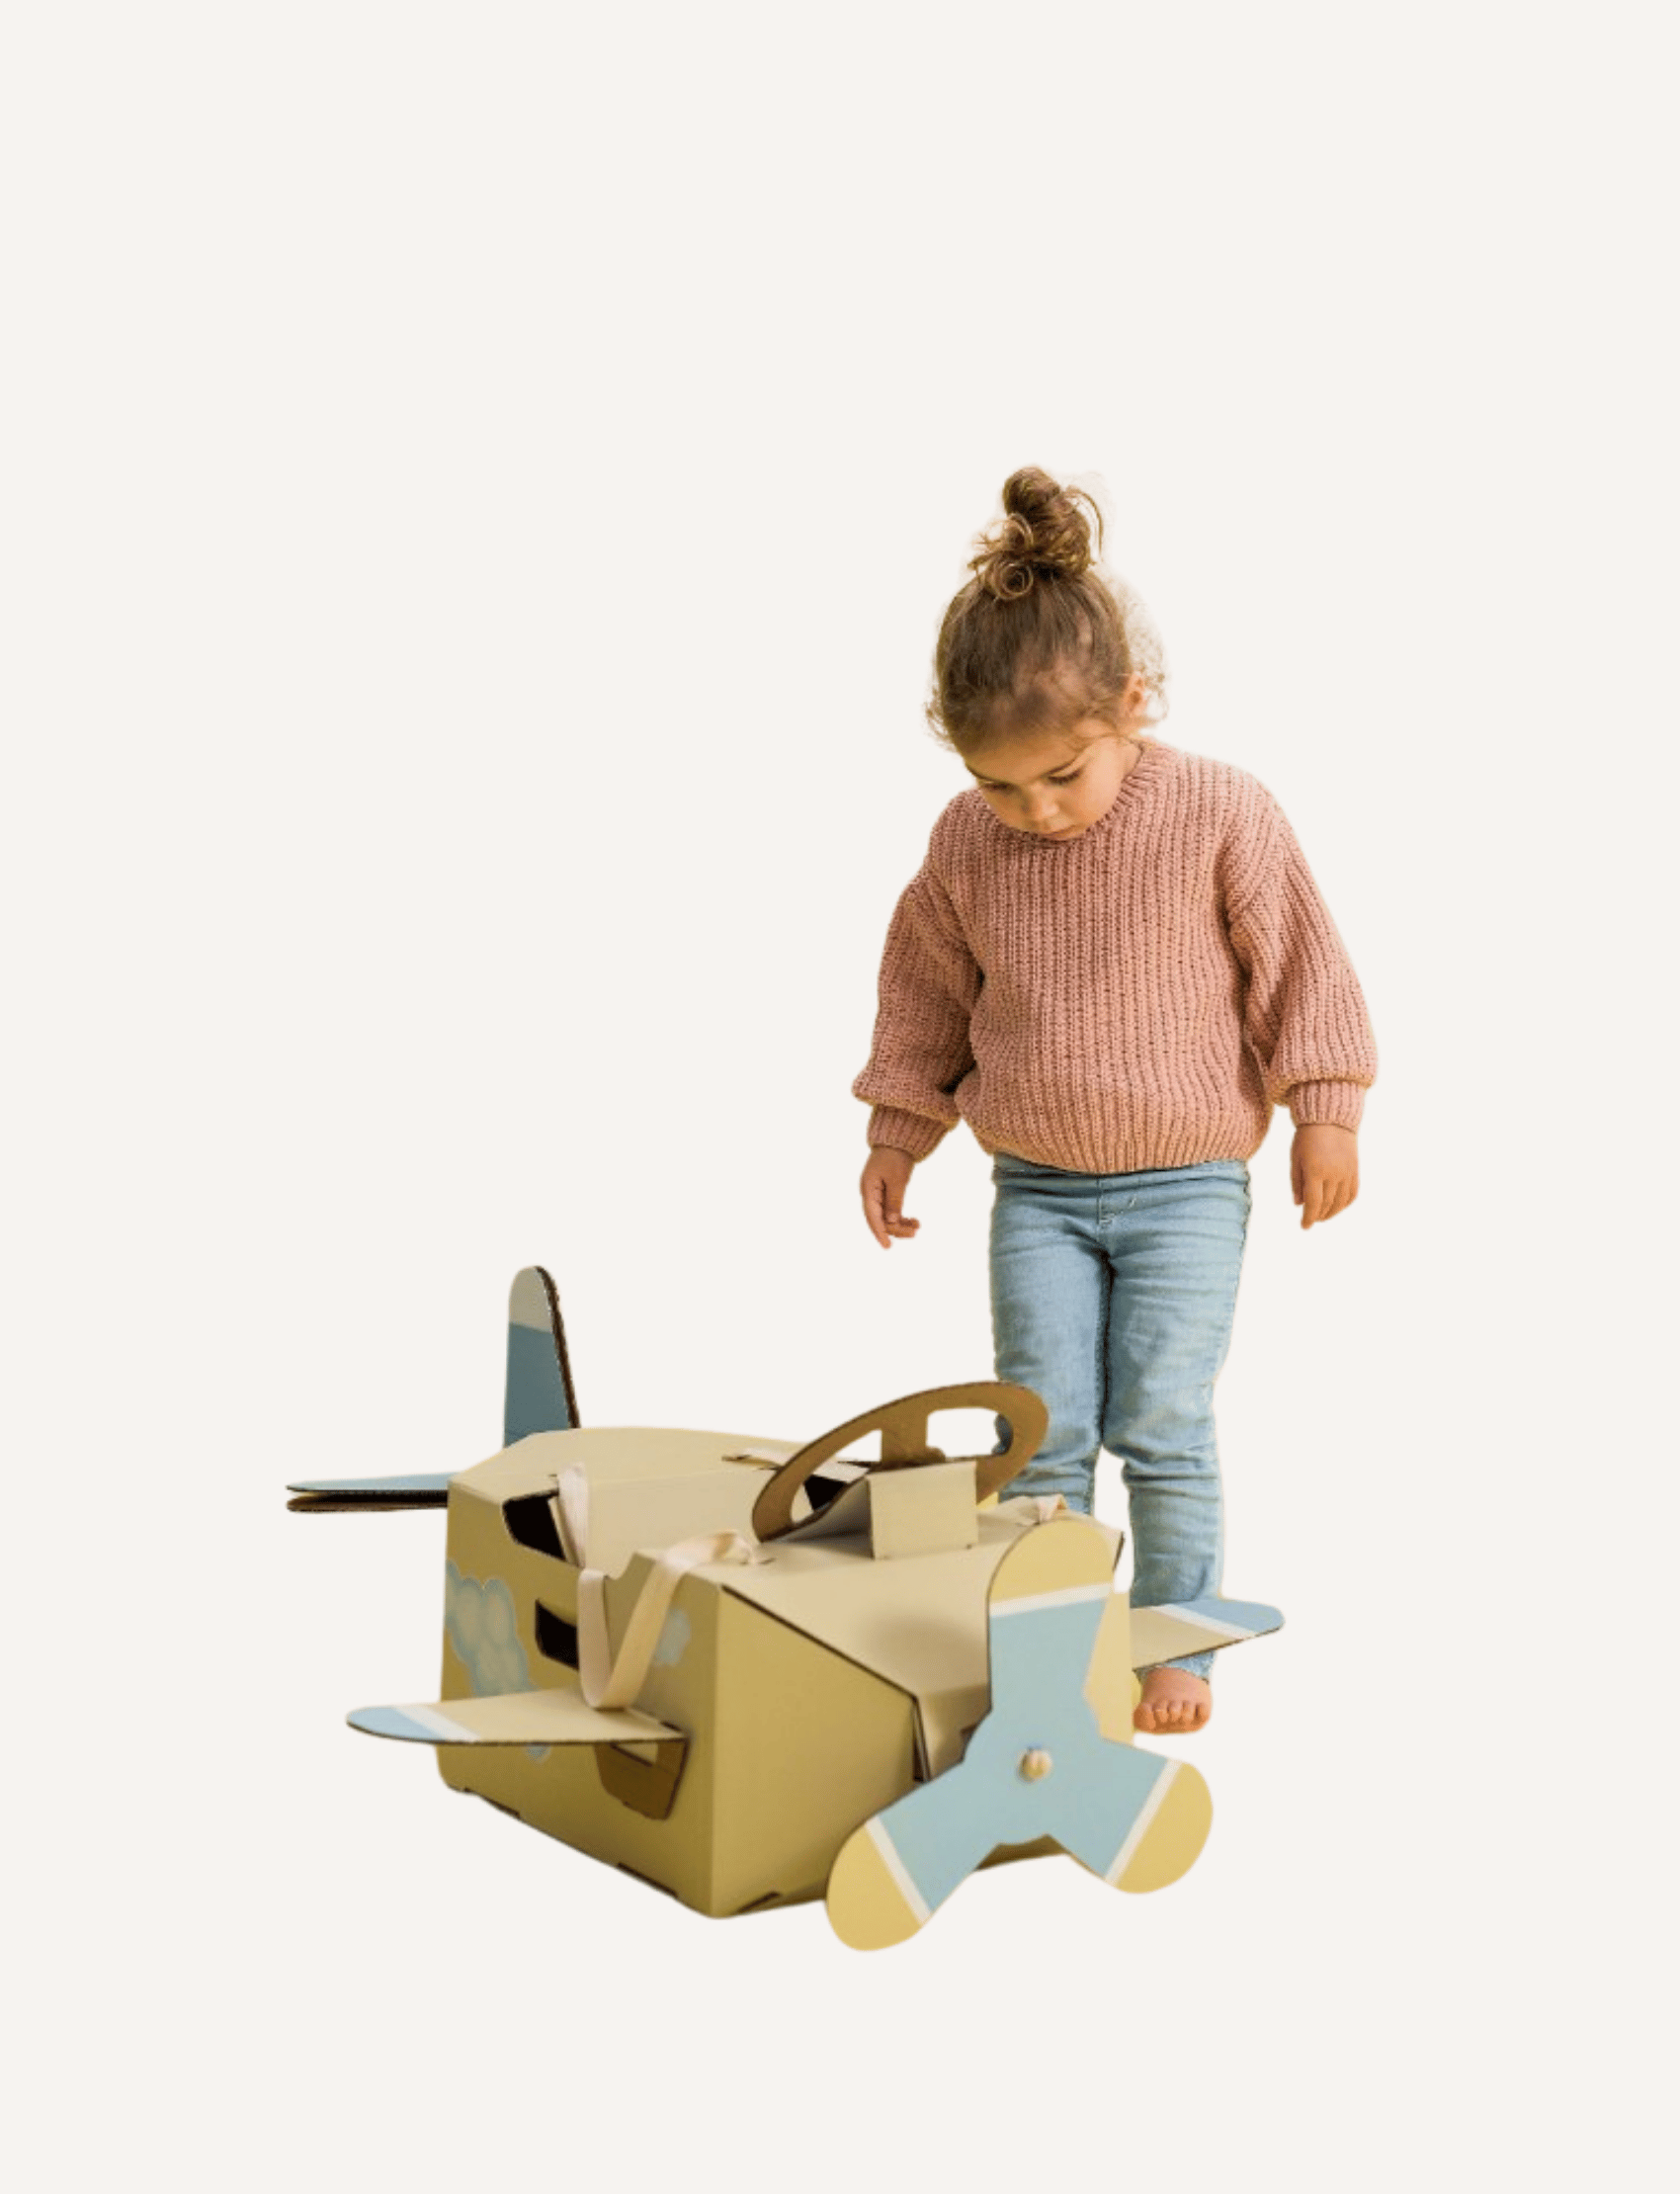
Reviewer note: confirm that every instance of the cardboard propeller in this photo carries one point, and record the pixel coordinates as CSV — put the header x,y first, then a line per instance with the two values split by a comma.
x,y
1038,1765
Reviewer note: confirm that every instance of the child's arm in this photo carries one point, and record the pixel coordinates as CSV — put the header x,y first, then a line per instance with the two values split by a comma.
x,y
1304,1013
929,981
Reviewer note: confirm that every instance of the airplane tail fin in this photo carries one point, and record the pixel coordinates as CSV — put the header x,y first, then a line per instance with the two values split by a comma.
x,y
540,1393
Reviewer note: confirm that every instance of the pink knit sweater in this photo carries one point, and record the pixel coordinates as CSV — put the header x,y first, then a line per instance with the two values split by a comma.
x,y
1139,996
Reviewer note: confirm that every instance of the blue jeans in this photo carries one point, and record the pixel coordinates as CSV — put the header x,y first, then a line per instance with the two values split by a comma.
x,y
1113,1296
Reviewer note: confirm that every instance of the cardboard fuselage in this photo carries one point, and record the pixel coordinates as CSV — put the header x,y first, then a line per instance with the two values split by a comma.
x,y
800,1693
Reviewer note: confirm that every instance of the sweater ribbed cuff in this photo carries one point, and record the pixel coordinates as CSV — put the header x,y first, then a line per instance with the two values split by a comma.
x,y
1326,1104
914,1133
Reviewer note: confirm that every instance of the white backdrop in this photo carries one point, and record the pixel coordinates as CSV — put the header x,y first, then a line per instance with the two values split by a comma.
x,y
481,486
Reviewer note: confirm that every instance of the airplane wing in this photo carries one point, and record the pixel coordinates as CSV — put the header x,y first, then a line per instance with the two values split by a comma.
x,y
318,1495
550,1717
1169,1632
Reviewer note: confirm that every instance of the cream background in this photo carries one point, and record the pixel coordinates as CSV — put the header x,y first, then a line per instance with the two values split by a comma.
x,y
480,486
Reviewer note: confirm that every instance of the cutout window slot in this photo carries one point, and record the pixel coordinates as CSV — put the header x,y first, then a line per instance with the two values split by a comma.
x,y
556,1638
530,1521
647,1786
760,1904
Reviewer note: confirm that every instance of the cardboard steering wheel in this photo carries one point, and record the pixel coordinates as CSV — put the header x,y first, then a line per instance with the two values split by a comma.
x,y
903,1430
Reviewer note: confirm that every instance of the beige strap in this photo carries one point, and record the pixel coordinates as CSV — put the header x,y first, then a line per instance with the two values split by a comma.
x,y
1040,1506
571,1513
613,1683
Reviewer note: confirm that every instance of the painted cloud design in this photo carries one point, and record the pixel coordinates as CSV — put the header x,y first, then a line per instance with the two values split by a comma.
x,y
479,1620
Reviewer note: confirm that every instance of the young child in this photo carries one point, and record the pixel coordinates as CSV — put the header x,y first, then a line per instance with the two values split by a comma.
x,y
1113,963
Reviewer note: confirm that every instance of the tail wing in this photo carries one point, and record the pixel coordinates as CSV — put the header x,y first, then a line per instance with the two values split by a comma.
x,y
540,1393
538,1399
323,1495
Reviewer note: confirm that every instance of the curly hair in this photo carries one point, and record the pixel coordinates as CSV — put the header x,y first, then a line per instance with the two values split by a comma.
x,y
1042,638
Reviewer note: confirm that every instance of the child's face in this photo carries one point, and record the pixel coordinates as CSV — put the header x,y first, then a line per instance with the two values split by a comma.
x,y
1053,785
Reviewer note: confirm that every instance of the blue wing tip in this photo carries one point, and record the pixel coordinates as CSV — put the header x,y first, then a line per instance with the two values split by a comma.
x,y
389,1721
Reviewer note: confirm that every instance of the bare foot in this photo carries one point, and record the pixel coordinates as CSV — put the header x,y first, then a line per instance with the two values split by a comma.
x,y
1174,1703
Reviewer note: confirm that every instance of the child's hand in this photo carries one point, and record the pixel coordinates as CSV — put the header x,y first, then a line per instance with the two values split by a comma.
x,y
1323,1170
885,1178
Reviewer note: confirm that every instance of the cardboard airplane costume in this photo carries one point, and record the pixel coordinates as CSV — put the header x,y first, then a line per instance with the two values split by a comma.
x,y
753,1672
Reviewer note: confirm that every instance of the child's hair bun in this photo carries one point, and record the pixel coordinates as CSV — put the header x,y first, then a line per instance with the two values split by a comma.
x,y
1041,636
1043,534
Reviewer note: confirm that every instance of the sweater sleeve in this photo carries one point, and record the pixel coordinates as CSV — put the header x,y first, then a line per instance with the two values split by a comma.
x,y
1304,1012
929,981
